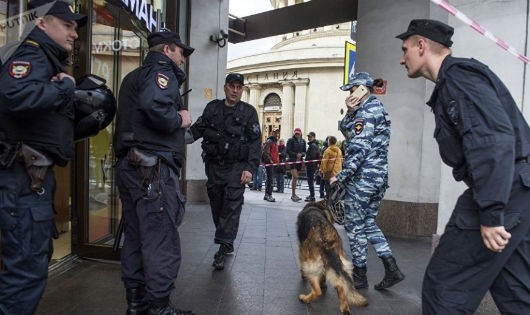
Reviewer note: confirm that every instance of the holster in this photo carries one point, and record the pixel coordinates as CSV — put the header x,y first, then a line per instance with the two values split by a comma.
x,y
144,162
36,164
8,154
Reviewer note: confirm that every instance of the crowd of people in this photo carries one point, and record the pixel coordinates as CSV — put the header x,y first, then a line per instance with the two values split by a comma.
x,y
306,159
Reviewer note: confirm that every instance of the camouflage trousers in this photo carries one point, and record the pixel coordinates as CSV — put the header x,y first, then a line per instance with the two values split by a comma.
x,y
361,205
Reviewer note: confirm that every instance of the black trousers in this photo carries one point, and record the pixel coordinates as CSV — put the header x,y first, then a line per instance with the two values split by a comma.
x,y
270,170
26,225
311,169
151,249
462,269
225,192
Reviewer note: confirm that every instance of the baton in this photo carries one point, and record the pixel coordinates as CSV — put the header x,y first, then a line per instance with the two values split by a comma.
x,y
185,92
117,236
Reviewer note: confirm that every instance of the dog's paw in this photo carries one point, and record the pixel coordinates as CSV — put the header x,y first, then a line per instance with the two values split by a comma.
x,y
346,312
304,298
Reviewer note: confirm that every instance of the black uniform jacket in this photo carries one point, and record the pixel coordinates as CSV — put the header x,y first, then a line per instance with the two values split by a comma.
x,y
241,131
295,146
148,106
34,109
480,131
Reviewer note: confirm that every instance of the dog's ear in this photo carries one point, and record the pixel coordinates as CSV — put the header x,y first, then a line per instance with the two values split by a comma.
x,y
328,214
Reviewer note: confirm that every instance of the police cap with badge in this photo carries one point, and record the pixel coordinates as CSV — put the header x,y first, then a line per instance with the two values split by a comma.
x,y
60,9
431,29
166,36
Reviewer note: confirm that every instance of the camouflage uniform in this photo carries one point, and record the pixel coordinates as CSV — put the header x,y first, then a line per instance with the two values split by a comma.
x,y
365,176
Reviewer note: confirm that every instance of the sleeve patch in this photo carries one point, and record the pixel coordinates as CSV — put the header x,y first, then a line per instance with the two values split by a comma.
x,y
162,81
19,69
358,125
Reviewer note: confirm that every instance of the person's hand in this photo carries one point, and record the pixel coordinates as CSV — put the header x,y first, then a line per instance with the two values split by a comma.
x,y
246,177
495,238
186,118
60,76
352,103
332,180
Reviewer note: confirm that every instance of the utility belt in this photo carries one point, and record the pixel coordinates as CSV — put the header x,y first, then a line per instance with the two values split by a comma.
x,y
35,162
145,163
221,161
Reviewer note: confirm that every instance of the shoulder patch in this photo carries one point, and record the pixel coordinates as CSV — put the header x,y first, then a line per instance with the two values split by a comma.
x,y
19,69
358,125
255,129
162,80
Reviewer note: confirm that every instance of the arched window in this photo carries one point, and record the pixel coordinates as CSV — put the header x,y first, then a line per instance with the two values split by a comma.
x,y
273,100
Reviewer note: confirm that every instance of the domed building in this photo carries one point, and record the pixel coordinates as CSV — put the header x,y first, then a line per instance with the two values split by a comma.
x,y
296,83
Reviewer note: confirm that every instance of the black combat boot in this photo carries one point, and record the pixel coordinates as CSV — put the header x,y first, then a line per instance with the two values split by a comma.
x,y
135,301
392,274
164,307
359,277
219,260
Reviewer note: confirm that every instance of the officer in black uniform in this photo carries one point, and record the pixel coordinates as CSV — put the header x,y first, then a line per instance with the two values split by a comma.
x,y
36,132
231,151
483,136
149,145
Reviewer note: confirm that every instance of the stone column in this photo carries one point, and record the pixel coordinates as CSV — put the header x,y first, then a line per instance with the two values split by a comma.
x,y
287,109
245,95
300,103
253,99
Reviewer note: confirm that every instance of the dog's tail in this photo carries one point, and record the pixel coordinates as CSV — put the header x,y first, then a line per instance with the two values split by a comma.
x,y
339,274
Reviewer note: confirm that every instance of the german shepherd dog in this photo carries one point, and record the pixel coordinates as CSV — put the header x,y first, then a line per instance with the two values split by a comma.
x,y
322,257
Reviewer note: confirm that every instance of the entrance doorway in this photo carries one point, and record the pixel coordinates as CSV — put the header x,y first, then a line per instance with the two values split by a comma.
x,y
118,46
272,115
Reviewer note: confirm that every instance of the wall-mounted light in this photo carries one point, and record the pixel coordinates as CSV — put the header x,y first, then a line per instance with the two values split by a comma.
x,y
219,38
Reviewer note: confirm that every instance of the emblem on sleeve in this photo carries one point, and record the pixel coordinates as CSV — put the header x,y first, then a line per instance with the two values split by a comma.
x,y
358,126
162,81
20,69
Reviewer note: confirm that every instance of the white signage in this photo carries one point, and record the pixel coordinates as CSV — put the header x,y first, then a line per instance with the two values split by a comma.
x,y
143,11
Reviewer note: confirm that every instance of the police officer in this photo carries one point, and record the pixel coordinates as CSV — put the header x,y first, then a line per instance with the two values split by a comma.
x,y
36,120
364,174
483,136
232,150
149,145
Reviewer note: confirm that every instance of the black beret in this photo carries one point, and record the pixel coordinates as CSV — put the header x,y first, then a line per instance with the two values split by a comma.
x,y
59,9
235,77
432,29
168,37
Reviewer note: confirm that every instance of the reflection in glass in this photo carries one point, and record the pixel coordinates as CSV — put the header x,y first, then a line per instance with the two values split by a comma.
x,y
115,52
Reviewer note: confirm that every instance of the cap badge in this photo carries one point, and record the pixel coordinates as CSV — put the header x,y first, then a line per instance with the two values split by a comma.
x,y
19,69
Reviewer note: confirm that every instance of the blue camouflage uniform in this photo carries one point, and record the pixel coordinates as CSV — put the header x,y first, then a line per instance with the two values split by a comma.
x,y
365,177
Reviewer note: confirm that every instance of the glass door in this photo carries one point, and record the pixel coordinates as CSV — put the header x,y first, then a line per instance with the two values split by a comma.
x,y
117,47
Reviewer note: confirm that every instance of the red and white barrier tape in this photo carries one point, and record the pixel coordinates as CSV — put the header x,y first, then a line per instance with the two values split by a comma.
x,y
464,18
299,162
